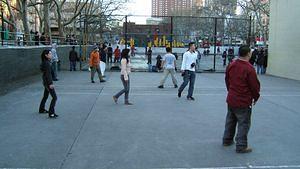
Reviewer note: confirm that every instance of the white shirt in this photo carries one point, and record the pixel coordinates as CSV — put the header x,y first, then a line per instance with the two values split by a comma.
x,y
188,59
169,60
125,68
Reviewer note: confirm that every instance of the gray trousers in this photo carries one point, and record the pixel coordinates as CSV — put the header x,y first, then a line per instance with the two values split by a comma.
x,y
94,70
126,85
166,74
189,77
240,117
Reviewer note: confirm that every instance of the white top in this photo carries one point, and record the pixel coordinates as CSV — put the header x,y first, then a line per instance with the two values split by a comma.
x,y
169,61
188,59
125,68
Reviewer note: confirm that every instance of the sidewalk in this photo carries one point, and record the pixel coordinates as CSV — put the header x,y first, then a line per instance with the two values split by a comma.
x,y
158,131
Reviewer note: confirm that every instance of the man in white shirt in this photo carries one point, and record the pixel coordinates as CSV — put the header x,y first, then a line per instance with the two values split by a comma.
x,y
188,71
169,62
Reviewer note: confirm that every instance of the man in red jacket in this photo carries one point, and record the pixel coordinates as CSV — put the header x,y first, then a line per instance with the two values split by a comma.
x,y
243,92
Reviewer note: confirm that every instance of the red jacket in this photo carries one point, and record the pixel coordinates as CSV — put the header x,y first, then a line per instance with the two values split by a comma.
x,y
242,84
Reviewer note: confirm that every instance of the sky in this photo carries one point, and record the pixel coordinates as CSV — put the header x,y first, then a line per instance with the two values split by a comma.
x,y
139,7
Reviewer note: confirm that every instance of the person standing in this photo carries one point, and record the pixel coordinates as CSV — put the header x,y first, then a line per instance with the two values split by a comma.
x,y
117,54
224,56
158,63
243,92
169,64
125,71
188,71
149,58
260,61
73,57
48,85
94,63
103,54
230,55
109,53
54,62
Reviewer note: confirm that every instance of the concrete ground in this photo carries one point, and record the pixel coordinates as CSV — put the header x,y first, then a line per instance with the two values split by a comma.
x,y
158,131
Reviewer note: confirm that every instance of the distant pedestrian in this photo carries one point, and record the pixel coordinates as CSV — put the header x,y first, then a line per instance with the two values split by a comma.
x,y
158,63
188,71
54,62
73,58
230,55
149,58
125,71
254,57
198,58
265,65
243,92
117,54
95,64
224,57
169,64
109,53
103,56
37,38
48,85
260,62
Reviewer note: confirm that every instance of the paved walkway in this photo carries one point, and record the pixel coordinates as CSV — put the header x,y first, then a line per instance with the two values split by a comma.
x,y
158,131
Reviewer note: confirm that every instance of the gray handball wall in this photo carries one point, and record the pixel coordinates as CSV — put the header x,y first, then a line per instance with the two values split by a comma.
x,y
19,63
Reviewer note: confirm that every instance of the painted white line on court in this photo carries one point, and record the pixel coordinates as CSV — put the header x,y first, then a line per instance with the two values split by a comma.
x,y
243,167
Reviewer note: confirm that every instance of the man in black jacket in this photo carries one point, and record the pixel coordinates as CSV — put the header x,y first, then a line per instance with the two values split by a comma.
x,y
73,57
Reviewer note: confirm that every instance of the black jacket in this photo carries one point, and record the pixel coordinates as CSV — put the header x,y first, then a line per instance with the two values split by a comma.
x,y
46,70
73,56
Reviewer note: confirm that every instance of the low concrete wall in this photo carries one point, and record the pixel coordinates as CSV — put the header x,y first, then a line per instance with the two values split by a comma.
x,y
22,62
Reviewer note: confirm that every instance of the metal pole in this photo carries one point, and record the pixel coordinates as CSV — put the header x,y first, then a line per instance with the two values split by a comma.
x,y
80,43
125,32
215,44
249,33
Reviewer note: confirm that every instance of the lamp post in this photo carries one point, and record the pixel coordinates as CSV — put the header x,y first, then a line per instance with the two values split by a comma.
x,y
2,20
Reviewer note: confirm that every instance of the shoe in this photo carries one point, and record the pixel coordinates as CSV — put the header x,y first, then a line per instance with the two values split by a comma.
x,y
55,79
127,103
160,86
191,98
175,86
93,81
228,144
102,81
115,99
245,150
43,111
179,94
53,115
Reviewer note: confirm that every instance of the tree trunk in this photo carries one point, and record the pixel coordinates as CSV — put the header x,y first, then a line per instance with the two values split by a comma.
x,y
60,26
25,21
47,29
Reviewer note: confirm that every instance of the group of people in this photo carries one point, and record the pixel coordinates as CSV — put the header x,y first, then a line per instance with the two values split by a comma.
x,y
259,58
241,81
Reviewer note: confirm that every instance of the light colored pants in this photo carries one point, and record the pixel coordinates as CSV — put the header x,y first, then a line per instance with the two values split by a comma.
x,y
102,67
94,70
166,74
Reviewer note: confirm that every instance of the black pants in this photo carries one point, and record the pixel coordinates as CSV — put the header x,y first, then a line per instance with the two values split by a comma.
x,y
110,57
45,97
240,117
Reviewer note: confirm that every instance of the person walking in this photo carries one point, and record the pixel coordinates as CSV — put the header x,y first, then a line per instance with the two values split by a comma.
x,y
158,63
149,58
94,63
54,62
188,71
103,54
109,53
169,64
243,92
224,56
73,57
125,71
260,61
48,85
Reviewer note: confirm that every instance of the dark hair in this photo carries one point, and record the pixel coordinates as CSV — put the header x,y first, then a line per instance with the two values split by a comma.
x,y
244,50
191,43
124,54
73,47
43,55
168,49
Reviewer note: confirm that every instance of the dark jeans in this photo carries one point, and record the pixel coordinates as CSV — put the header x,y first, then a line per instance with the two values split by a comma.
x,y
72,65
240,117
189,77
45,97
110,57
126,85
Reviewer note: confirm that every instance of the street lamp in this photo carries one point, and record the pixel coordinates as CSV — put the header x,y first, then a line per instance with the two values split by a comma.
x,y
2,20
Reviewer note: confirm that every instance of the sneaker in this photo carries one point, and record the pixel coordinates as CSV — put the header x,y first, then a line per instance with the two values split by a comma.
x,y
55,79
102,81
53,116
160,86
179,94
43,111
115,99
93,81
127,103
175,86
245,150
191,98
228,144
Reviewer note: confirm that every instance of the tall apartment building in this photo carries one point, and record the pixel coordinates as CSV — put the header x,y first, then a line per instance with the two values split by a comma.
x,y
167,7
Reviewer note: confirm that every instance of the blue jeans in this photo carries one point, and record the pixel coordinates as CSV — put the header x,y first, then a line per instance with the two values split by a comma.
x,y
260,69
72,65
189,77
126,85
